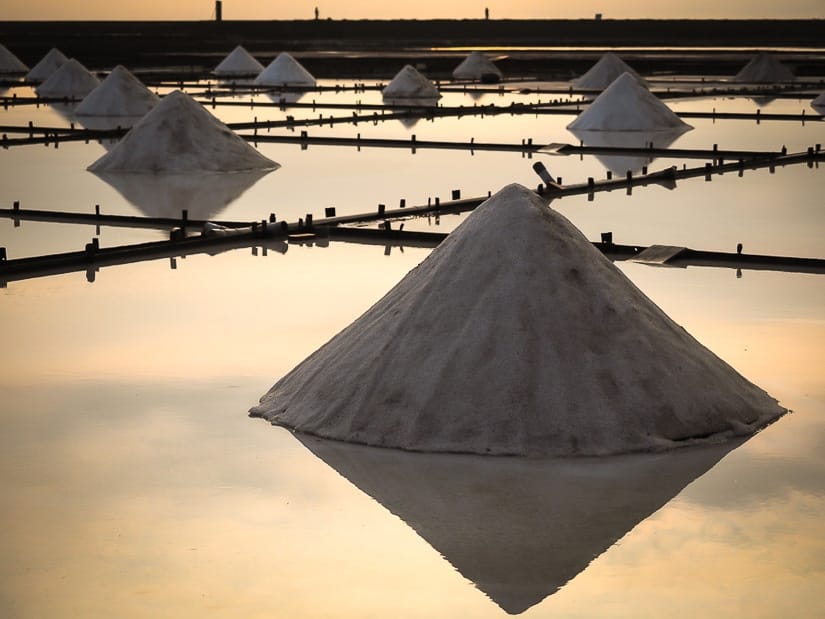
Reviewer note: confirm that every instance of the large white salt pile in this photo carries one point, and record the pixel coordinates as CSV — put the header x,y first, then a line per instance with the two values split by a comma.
x,y
408,83
516,336
72,79
179,135
238,63
285,71
50,63
764,68
627,105
604,73
477,66
120,94
9,63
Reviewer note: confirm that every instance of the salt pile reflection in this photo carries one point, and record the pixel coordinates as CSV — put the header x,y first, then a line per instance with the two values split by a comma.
x,y
204,195
622,164
518,528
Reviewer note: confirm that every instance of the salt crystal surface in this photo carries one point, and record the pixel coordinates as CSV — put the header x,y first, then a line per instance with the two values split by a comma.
x,y
238,62
627,105
477,66
285,71
120,94
50,63
9,63
604,73
72,79
408,83
516,336
764,68
179,135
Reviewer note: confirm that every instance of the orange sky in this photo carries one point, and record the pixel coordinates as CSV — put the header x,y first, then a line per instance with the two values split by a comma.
x,y
378,9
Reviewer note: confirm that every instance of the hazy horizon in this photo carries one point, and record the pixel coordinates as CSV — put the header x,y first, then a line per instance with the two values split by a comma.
x,y
151,10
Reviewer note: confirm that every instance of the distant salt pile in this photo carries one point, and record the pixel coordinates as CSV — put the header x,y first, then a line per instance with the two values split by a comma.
x,y
516,336
238,63
50,63
477,67
72,79
764,68
179,135
408,83
285,71
627,105
120,94
604,72
819,101
9,63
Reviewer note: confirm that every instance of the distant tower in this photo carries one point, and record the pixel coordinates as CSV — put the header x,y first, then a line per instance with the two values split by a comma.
x,y
218,10
317,14
486,13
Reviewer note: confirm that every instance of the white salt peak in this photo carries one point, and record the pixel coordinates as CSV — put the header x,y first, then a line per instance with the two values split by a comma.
x,y
479,67
238,63
604,72
408,83
179,135
72,79
285,71
516,336
120,94
627,105
9,63
50,63
764,68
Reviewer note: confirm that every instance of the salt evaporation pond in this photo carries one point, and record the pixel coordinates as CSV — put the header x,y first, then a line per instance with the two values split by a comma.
x,y
135,485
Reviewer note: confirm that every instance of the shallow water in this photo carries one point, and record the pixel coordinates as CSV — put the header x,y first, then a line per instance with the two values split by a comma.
x,y
135,485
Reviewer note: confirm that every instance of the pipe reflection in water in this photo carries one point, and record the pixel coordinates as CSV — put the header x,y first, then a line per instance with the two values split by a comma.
x,y
203,194
518,528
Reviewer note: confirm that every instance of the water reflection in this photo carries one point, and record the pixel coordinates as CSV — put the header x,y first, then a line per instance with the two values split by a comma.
x,y
621,164
203,194
518,528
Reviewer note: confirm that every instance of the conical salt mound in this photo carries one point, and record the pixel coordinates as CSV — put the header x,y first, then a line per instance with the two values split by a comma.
x,y
120,94
179,135
72,79
604,73
764,68
516,336
626,105
238,62
408,83
50,63
285,71
9,63
819,101
477,66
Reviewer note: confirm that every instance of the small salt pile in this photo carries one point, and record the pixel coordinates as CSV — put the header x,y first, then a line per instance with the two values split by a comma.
x,y
604,73
819,102
72,79
50,63
237,64
285,71
120,94
179,135
516,336
627,105
408,83
9,63
477,67
764,68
